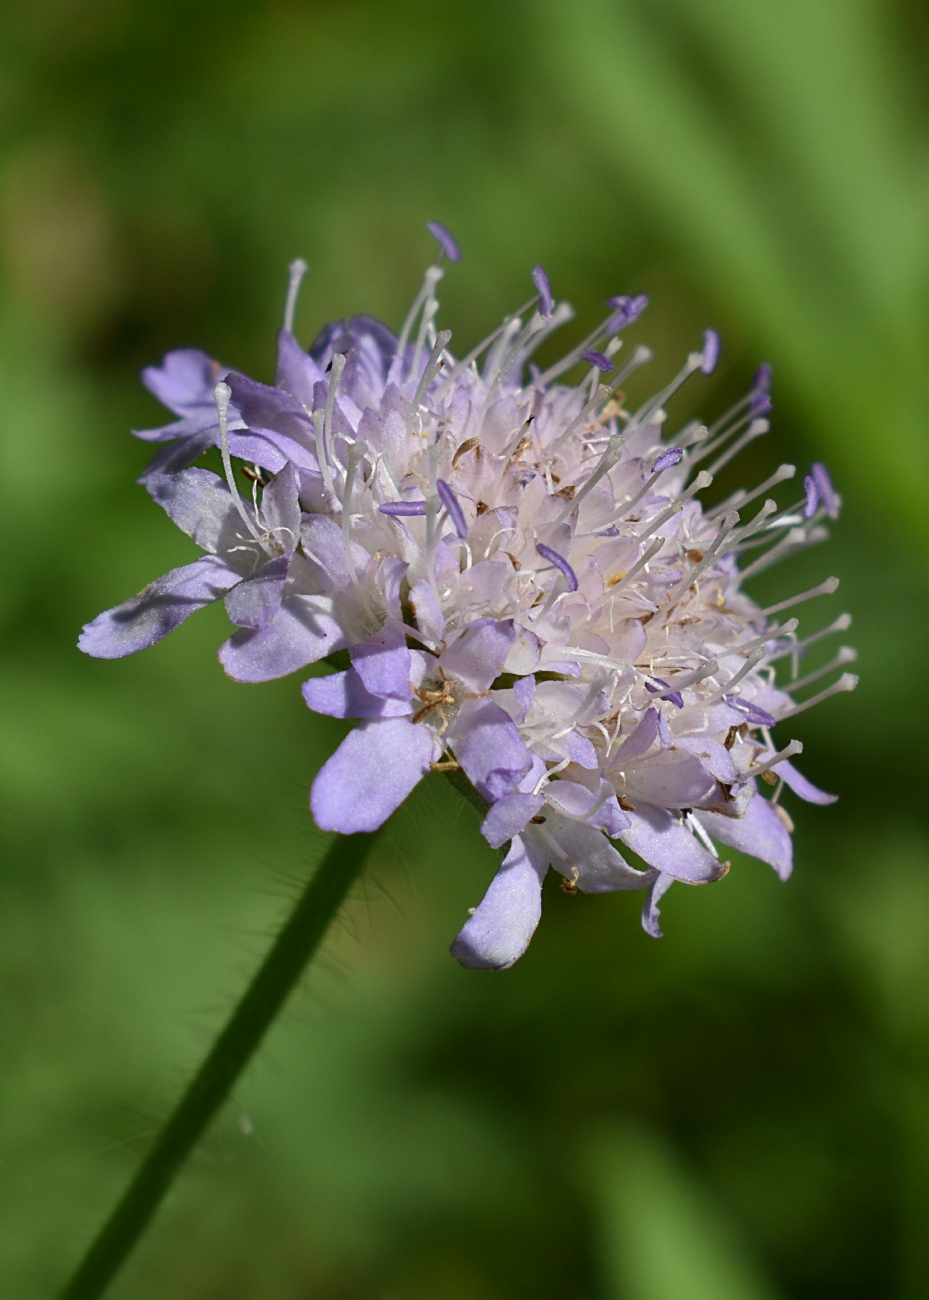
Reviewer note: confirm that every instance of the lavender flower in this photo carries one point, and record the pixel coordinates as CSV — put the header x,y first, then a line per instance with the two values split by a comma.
x,y
526,582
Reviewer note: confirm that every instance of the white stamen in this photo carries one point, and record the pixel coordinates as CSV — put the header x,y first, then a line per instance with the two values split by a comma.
x,y
221,395
703,480
689,579
789,751
614,449
692,822
638,566
430,280
753,659
772,634
654,404
742,498
319,429
298,270
846,655
796,540
824,589
841,624
847,682
755,430
547,776
432,365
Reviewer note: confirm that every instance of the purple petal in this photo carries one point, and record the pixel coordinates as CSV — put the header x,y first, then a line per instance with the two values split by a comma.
x,y
403,509
581,751
478,654
302,632
801,786
827,492
427,610
598,359
662,842
760,717
650,909
508,816
169,459
266,408
280,508
297,372
342,695
559,562
760,833
546,301
445,239
371,773
499,929
711,350
578,802
588,859
256,600
184,381
673,456
638,742
383,664
455,512
200,503
489,748
158,609
714,757
524,690
671,779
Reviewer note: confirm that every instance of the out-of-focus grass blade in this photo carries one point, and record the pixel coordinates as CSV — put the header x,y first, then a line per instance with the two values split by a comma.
x,y
661,1235
774,227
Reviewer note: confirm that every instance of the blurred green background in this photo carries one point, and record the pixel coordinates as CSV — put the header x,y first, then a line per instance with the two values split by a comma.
x,y
738,1112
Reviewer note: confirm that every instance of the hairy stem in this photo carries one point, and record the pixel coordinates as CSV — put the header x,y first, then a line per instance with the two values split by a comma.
x,y
228,1057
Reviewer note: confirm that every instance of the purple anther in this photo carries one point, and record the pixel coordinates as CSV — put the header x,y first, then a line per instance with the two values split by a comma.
x,y
664,692
760,717
827,493
760,404
559,562
445,239
667,459
812,496
455,512
711,350
625,310
597,359
403,508
762,381
546,302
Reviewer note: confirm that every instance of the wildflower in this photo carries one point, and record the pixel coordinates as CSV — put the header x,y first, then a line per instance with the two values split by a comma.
x,y
526,583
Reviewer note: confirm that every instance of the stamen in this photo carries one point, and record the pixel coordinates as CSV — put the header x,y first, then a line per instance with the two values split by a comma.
x,y
626,309
689,579
712,347
758,717
614,449
597,360
639,565
445,239
824,589
827,492
847,682
403,509
846,655
546,777
586,411
772,634
654,404
741,497
841,624
703,480
796,540
546,301
298,269
667,459
751,662
560,563
319,429
455,512
432,365
789,751
698,675
221,395
431,278
756,429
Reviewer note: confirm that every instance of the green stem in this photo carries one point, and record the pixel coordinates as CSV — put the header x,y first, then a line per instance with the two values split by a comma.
x,y
262,1000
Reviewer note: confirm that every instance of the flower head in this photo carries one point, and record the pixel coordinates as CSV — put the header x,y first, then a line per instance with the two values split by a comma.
x,y
526,583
